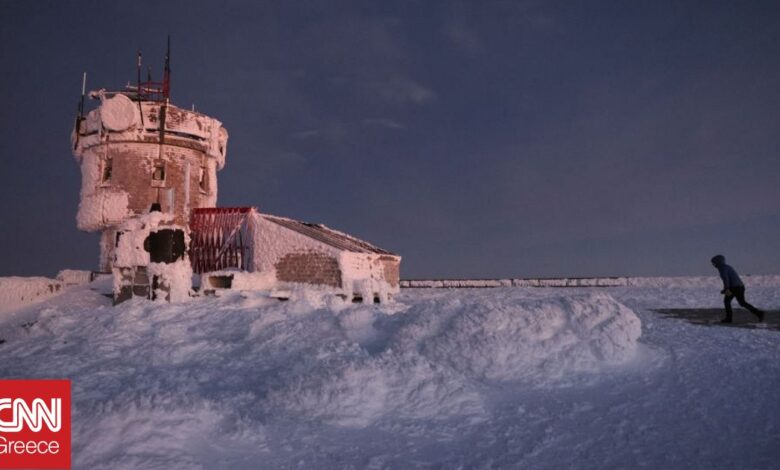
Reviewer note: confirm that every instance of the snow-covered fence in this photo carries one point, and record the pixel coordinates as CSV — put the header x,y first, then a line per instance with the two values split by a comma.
x,y
74,277
18,291
552,282
661,282
572,282
455,283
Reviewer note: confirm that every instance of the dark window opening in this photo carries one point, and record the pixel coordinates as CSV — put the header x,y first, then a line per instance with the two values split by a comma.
x,y
221,282
158,174
165,246
108,168
203,179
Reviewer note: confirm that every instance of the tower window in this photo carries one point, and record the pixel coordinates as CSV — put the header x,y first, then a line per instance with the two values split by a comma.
x,y
158,173
203,181
108,168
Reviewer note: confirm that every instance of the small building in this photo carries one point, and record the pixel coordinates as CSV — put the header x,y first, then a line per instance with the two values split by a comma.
x,y
281,253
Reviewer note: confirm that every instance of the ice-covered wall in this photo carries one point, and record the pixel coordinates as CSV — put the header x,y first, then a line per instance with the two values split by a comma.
x,y
130,245
120,118
293,257
273,243
100,205
130,253
18,291
366,274
134,154
74,277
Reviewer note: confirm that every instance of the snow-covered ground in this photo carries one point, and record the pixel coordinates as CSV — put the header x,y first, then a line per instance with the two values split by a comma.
x,y
462,378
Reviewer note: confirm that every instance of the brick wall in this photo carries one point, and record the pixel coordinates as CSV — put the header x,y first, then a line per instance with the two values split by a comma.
x,y
392,270
133,164
310,267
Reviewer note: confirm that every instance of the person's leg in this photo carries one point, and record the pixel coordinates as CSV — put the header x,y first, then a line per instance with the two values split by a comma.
x,y
739,293
727,303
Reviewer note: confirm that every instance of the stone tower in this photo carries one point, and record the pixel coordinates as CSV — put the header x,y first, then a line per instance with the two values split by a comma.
x,y
136,149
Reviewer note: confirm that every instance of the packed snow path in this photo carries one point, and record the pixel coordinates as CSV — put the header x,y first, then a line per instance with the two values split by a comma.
x,y
499,378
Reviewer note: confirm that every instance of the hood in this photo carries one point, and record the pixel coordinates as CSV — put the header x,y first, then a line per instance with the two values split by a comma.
x,y
718,260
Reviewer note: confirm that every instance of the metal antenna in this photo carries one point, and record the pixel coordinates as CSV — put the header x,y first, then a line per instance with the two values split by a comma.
x,y
167,72
83,92
138,80
80,117
138,89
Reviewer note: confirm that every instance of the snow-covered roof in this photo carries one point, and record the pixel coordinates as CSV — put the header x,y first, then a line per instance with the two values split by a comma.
x,y
327,235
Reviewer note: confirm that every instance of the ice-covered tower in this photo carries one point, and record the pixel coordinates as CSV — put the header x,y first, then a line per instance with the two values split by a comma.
x,y
136,149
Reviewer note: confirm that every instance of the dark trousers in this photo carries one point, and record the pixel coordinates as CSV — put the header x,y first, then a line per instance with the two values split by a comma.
x,y
739,293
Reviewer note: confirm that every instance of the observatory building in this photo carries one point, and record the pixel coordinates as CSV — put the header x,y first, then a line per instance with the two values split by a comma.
x,y
136,149
149,186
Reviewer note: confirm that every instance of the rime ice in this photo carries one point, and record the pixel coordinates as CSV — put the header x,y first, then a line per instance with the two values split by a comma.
x,y
137,149
134,153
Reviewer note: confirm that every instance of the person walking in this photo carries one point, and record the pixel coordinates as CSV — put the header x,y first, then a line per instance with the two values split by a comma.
x,y
732,288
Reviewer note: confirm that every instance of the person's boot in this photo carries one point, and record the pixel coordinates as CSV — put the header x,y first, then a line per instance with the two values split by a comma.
x,y
728,319
760,315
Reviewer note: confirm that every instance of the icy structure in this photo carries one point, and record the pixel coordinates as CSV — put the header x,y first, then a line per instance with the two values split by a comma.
x,y
16,291
74,277
134,152
137,150
133,266
293,252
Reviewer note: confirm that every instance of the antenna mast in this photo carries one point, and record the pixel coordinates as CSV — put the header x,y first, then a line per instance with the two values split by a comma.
x,y
167,73
83,91
138,80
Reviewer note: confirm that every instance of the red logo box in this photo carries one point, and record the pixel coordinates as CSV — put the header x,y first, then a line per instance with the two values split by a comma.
x,y
34,424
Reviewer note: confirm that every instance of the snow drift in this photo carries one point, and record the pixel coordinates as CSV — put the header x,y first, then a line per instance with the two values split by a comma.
x,y
477,378
521,338
430,360
247,356
471,378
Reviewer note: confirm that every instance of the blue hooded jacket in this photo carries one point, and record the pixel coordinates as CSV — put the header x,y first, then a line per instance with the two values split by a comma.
x,y
727,273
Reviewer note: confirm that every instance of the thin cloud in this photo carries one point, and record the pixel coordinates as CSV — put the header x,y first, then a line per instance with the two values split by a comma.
x,y
308,134
464,38
384,122
402,90
329,129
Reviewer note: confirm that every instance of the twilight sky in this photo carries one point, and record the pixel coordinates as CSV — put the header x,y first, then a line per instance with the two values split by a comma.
x,y
474,138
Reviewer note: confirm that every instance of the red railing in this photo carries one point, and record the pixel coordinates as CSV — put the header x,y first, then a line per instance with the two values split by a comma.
x,y
219,238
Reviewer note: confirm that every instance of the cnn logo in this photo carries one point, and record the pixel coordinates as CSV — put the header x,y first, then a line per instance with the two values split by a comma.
x,y
34,424
35,416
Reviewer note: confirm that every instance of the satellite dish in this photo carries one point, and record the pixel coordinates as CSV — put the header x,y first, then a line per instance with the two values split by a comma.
x,y
118,113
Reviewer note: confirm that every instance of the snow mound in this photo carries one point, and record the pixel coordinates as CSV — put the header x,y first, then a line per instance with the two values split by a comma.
x,y
456,378
430,360
347,387
331,363
159,385
506,338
